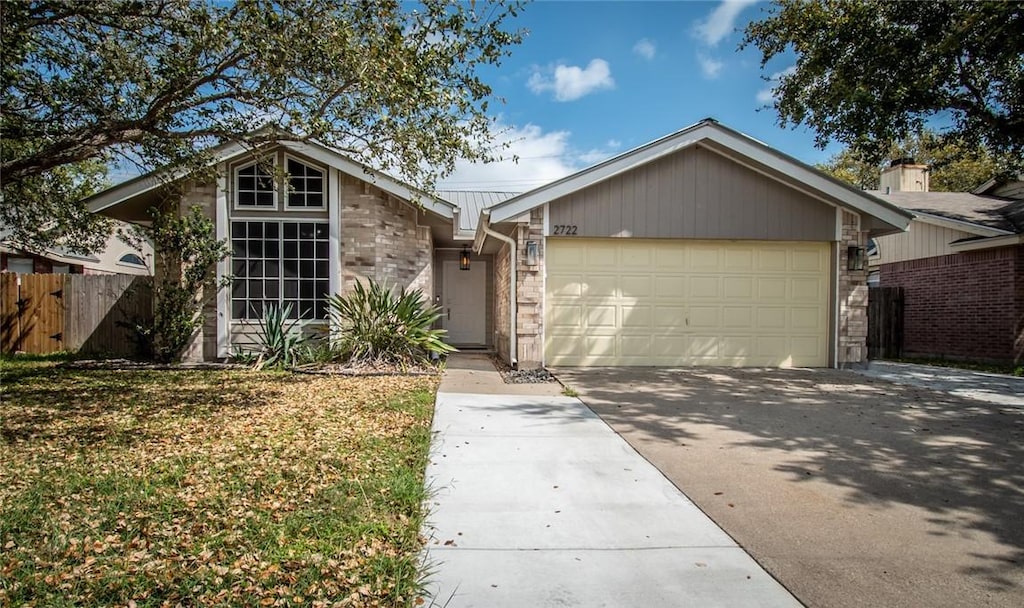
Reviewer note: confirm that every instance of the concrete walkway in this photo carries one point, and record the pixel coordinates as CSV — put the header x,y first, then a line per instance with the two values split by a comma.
x,y
537,502
999,389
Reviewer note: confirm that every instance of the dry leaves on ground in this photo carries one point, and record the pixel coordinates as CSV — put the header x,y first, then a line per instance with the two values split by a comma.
x,y
163,488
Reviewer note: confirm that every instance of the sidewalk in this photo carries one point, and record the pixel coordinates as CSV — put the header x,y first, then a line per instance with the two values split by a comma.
x,y
537,502
998,389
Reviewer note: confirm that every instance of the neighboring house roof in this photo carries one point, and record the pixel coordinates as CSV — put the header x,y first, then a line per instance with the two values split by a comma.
x,y
144,183
887,218
57,254
983,211
471,203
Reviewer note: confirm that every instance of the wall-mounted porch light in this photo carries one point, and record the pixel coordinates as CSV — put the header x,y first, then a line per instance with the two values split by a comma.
x,y
532,253
855,258
464,258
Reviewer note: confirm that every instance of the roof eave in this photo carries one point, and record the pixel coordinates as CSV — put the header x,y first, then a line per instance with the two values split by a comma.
x,y
735,141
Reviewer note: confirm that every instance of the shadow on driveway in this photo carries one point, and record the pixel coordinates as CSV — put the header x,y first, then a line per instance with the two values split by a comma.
x,y
851,491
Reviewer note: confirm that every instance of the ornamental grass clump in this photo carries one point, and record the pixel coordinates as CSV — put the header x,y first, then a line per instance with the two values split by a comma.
x,y
376,325
280,342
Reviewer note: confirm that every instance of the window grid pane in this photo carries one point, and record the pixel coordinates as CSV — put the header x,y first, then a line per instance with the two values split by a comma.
x,y
279,263
305,185
254,187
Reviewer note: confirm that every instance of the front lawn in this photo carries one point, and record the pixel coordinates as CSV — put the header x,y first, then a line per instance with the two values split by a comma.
x,y
210,488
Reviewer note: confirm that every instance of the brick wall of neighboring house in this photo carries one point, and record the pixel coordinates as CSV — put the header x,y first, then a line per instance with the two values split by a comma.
x,y
964,306
530,294
853,297
501,302
381,239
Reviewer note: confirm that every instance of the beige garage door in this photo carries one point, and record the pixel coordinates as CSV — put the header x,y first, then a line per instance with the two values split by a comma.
x,y
681,302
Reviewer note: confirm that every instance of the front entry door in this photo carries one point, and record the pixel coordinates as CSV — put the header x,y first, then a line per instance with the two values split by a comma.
x,y
465,303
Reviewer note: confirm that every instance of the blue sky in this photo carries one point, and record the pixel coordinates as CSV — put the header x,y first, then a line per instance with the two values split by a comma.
x,y
593,79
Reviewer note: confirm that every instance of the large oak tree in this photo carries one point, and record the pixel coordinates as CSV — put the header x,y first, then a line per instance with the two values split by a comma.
x,y
396,85
871,72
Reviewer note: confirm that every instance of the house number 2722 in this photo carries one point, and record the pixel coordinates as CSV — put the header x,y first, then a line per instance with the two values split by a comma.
x,y
564,230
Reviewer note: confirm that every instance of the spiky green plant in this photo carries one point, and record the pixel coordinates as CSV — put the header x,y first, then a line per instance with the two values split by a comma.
x,y
374,324
280,342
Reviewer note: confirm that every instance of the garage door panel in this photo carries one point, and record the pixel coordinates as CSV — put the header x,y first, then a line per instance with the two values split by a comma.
x,y
704,287
702,317
669,316
739,259
601,316
565,315
671,287
635,286
682,302
569,286
597,286
738,288
637,347
636,316
597,257
771,288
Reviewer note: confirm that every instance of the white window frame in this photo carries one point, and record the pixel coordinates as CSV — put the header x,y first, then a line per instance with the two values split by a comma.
x,y
287,185
280,221
235,175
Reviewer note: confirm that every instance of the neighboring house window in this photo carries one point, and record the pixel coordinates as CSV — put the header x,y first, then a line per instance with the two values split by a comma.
x,y
132,260
254,186
305,185
61,269
278,263
20,265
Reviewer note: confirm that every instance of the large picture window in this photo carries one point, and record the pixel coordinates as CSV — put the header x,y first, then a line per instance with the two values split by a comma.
x,y
278,263
305,185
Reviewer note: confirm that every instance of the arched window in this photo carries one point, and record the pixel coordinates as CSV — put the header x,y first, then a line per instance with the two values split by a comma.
x,y
132,259
254,186
305,185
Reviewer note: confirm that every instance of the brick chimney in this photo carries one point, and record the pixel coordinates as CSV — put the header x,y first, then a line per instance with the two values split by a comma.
x,y
902,175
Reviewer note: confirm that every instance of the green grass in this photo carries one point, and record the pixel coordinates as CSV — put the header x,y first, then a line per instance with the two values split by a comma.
x,y
992,368
209,488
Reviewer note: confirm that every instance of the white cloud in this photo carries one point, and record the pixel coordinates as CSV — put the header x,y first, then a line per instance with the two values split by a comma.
x,y
709,65
570,82
721,22
645,48
543,157
767,94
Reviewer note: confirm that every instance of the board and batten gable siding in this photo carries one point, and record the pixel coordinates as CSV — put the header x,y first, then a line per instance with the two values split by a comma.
x,y
694,193
922,240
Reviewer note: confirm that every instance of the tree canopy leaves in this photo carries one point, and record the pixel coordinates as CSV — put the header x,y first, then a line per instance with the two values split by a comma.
x,y
870,72
954,166
153,83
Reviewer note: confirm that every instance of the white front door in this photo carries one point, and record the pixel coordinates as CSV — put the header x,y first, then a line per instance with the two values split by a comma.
x,y
465,303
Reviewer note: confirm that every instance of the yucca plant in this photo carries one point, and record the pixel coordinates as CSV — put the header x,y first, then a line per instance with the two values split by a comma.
x,y
280,343
376,325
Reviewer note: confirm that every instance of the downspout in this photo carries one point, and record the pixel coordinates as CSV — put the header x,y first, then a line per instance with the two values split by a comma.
x,y
485,225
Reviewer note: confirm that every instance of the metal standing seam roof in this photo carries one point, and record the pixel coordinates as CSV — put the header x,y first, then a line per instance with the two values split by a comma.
x,y
988,211
472,202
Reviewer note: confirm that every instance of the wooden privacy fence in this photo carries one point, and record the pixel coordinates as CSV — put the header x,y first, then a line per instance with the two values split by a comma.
x,y
47,313
885,322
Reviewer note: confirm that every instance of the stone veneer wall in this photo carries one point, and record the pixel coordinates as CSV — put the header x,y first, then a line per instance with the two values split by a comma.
x,y
381,239
501,302
530,294
204,342
853,297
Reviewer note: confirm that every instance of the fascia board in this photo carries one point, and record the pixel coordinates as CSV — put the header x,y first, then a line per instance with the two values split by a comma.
x,y
961,225
988,243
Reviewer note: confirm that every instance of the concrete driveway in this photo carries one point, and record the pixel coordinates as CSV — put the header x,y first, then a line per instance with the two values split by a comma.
x,y
851,491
